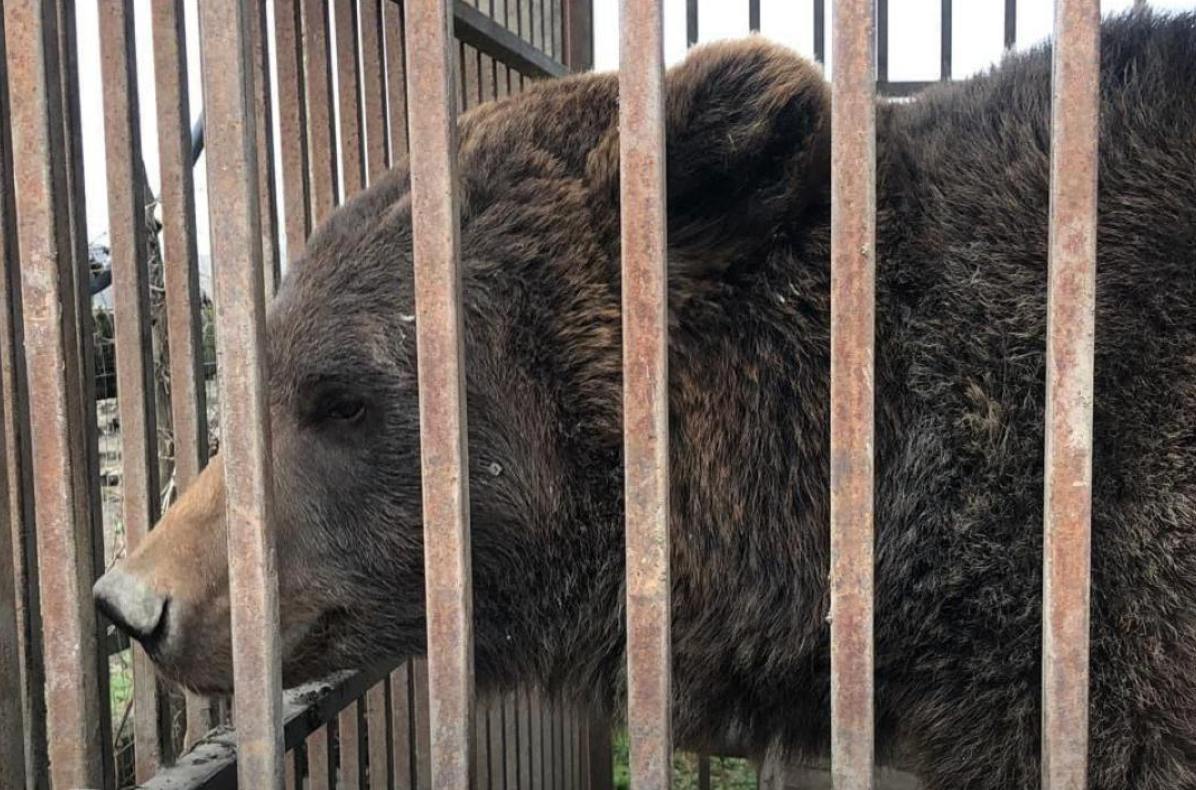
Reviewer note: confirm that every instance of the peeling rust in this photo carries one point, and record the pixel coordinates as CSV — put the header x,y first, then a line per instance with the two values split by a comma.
x,y
1069,375
853,274
645,392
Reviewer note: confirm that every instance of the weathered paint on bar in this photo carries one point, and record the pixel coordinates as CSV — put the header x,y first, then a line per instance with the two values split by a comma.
x,y
645,391
292,123
59,457
1071,297
853,273
436,245
226,28
188,398
127,199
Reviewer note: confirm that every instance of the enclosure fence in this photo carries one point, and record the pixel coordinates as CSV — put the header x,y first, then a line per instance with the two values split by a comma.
x,y
419,724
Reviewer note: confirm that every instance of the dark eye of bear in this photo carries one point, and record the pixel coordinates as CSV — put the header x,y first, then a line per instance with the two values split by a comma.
x,y
342,409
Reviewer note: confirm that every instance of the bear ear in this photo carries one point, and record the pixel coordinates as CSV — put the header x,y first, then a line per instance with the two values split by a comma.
x,y
748,150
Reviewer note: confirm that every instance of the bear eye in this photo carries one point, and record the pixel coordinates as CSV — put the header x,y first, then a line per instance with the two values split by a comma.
x,y
342,409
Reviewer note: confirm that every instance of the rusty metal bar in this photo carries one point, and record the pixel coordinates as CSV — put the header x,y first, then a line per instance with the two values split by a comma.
x,y
349,741
421,724
12,739
578,26
321,136
535,27
264,124
403,736
91,528
127,199
853,271
486,70
645,391
495,747
820,31
373,71
945,36
60,464
188,398
396,78
480,766
471,73
378,736
25,695
436,247
536,741
348,74
510,728
599,755
882,39
292,123
1071,303
321,769
226,27
691,22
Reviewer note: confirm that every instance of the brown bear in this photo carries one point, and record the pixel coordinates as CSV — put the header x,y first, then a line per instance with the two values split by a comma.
x,y
961,281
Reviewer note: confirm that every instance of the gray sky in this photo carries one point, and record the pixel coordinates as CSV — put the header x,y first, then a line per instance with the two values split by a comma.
x,y
913,55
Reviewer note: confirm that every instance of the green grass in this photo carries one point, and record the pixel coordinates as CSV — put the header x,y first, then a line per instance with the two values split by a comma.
x,y
725,773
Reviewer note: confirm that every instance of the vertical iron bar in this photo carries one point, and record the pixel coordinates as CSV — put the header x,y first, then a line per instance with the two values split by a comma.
x,y
599,755
188,398
436,247
264,123
495,745
1071,295
292,123
853,269
373,87
378,738
645,391
349,741
882,40
820,31
510,726
320,766
691,22
321,136
421,724
403,737
91,528
348,73
396,78
26,696
1010,23
226,28
579,35
754,16
946,40
134,355
60,464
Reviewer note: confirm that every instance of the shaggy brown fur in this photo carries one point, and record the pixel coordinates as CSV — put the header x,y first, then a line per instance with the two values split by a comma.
x,y
963,184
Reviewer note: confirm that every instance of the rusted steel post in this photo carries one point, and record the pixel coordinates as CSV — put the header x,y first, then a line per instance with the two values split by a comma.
x,y
134,356
396,78
1071,299
264,124
374,87
645,391
422,735
578,23
436,246
292,124
402,736
227,28
59,455
348,75
378,738
19,684
321,137
188,397
853,273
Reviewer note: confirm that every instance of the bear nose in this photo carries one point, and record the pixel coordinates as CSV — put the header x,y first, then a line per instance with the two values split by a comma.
x,y
130,604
